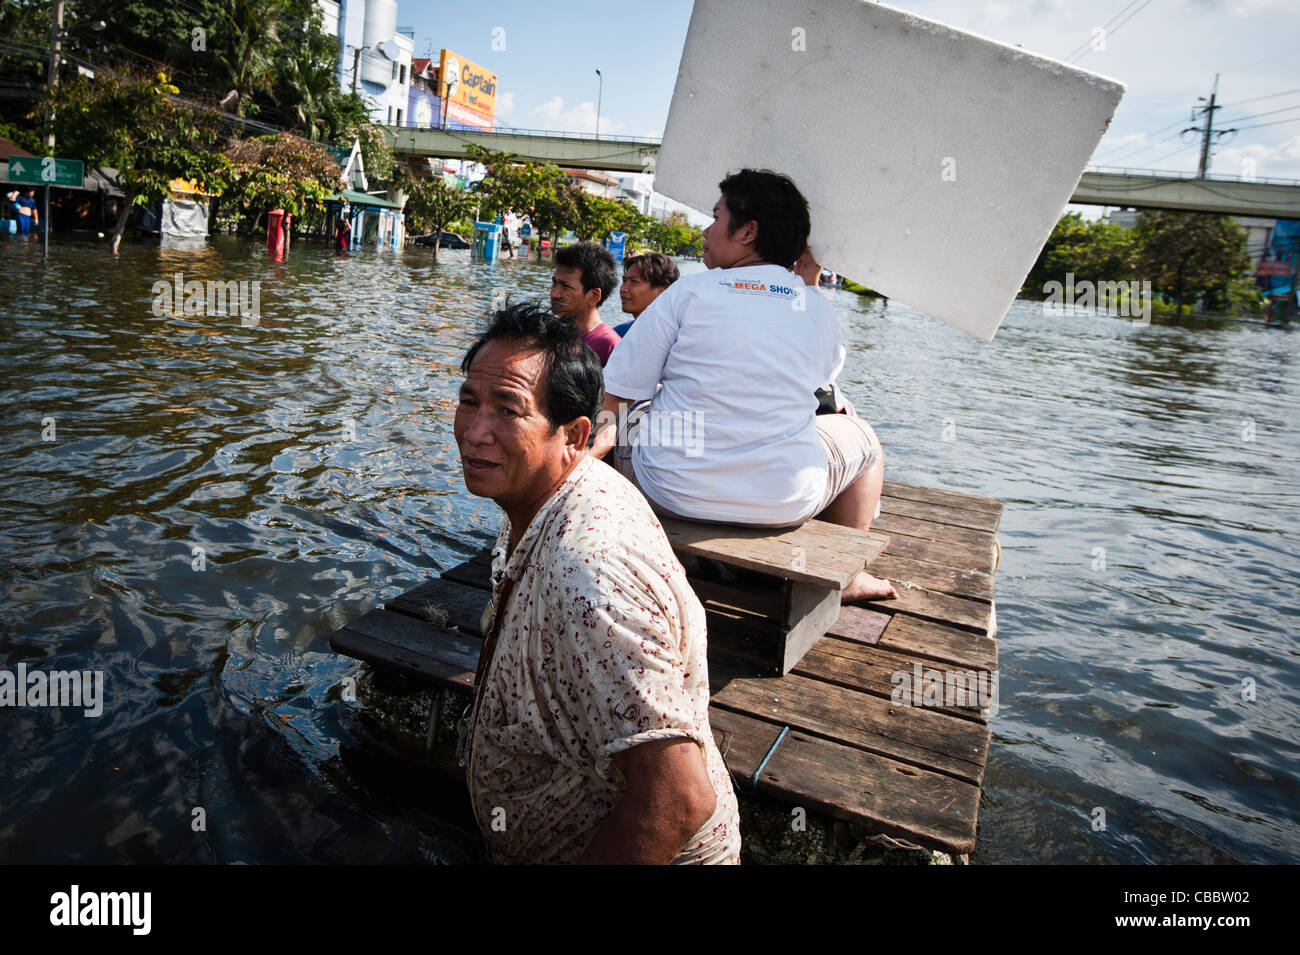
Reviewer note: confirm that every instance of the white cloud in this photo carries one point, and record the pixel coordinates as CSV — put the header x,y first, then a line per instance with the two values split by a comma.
x,y
578,119
1277,162
505,105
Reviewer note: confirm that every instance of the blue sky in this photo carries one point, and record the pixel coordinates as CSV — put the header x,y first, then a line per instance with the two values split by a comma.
x,y
1167,51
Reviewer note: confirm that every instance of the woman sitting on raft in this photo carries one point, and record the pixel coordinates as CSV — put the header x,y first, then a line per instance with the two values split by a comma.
x,y
733,435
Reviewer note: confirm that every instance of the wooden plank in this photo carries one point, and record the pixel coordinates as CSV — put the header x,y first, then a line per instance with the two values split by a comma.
x,y
940,642
743,598
934,495
895,524
881,672
974,615
982,558
816,553
970,583
956,516
471,573
860,624
882,794
461,606
440,657
809,612
917,735
743,742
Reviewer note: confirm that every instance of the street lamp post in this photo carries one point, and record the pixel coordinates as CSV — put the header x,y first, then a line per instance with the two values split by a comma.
x,y
599,96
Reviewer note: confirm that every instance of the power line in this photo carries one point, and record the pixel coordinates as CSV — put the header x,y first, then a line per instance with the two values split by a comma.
x,y
1266,96
1284,109
1278,122
1088,42
1112,30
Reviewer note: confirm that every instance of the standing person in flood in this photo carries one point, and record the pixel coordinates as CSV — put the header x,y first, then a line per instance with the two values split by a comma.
x,y
739,351
583,280
589,735
644,278
342,235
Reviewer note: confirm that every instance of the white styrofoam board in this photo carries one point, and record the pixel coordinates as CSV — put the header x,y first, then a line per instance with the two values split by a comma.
x,y
935,162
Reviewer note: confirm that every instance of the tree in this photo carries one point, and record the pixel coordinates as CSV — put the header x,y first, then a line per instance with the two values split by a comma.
x,y
376,153
247,46
306,89
161,141
277,172
431,204
536,190
1092,251
1185,253
676,236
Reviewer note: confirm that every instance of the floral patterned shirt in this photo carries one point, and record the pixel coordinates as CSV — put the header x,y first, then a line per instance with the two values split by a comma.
x,y
602,647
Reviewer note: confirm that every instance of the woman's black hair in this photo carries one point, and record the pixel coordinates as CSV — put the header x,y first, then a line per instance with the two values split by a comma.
x,y
575,384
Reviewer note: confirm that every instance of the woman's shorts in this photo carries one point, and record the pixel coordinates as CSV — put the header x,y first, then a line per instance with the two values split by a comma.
x,y
850,444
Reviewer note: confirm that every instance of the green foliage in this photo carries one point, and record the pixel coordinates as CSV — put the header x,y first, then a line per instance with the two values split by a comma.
x,y
161,141
432,204
1094,251
675,236
283,171
1191,254
376,153
1183,255
854,287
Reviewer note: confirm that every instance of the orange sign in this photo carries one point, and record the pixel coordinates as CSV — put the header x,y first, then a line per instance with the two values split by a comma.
x,y
471,86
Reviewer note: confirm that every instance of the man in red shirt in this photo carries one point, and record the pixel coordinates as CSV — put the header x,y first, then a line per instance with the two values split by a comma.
x,y
584,279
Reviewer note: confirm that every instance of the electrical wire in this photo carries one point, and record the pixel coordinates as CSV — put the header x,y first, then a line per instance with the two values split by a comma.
x,y
1109,31
1088,42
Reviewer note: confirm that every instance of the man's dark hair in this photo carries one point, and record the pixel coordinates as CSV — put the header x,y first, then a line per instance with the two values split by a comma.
x,y
656,268
776,204
575,384
597,267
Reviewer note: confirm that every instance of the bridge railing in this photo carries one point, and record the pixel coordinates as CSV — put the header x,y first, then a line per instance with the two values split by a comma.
x,y
523,131
1169,174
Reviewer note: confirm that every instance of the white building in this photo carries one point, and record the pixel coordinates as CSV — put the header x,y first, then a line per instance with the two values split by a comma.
x,y
375,55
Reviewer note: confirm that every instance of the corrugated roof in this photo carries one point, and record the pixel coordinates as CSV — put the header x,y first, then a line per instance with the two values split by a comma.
x,y
363,199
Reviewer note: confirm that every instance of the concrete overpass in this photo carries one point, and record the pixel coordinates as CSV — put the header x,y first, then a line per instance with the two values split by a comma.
x,y
571,150
1143,189
1135,188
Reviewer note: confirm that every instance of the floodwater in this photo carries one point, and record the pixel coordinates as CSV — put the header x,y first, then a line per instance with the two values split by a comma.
x,y
190,506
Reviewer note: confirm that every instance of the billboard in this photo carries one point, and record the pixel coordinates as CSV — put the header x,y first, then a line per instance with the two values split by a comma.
x,y
470,90
422,108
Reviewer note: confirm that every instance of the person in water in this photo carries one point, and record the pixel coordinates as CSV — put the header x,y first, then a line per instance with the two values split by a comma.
x,y
589,738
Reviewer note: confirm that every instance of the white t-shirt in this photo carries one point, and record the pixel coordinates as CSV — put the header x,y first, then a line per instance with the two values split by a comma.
x,y
731,435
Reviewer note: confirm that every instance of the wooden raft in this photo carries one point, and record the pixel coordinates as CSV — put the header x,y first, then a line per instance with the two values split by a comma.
x,y
806,721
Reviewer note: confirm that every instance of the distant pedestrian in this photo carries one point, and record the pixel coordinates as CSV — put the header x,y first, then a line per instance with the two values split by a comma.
x,y
342,235
506,247
28,218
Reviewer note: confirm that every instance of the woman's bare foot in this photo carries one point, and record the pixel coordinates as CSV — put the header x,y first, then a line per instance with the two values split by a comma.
x,y
866,587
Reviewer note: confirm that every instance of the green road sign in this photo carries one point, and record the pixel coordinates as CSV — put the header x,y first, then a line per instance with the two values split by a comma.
x,y
47,171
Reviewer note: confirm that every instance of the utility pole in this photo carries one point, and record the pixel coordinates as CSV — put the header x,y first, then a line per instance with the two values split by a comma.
x,y
56,43
52,84
1209,131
